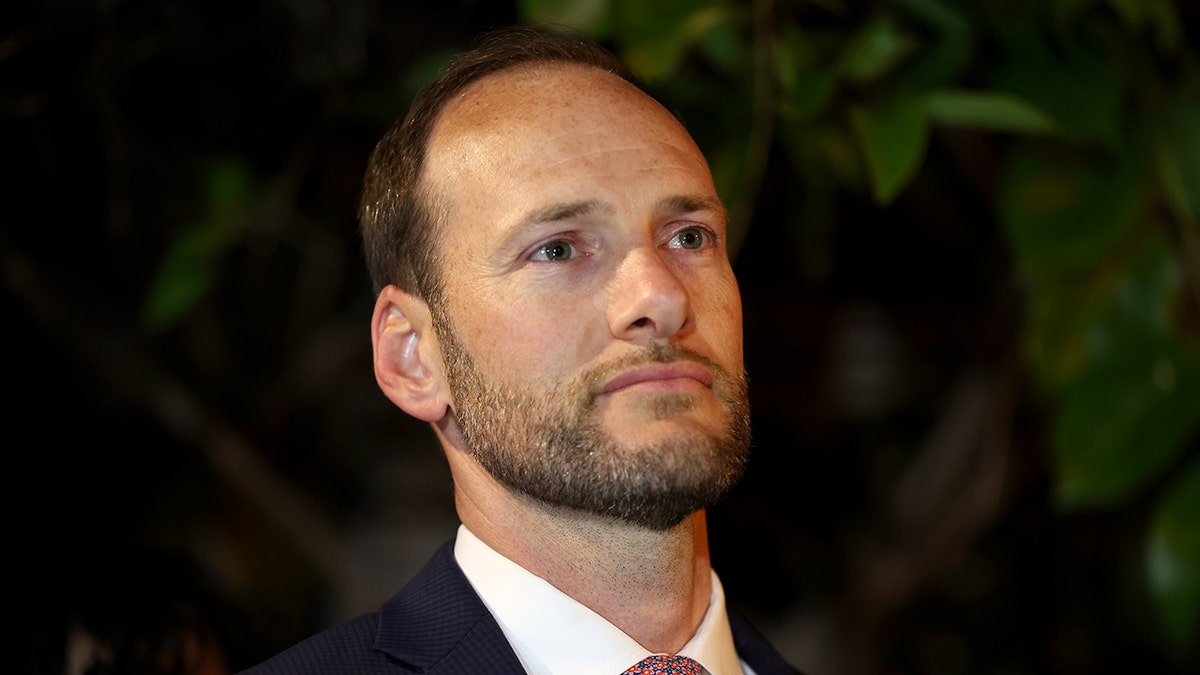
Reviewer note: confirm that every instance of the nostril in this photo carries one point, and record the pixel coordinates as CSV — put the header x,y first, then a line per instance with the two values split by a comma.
x,y
641,323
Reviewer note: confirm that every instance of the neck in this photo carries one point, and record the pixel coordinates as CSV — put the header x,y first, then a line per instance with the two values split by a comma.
x,y
653,585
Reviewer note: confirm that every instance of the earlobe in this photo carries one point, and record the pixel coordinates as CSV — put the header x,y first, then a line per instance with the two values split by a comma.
x,y
406,368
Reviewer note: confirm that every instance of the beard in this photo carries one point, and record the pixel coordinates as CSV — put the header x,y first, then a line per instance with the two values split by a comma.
x,y
551,445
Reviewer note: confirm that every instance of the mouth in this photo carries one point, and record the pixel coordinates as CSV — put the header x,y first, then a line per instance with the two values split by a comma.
x,y
661,377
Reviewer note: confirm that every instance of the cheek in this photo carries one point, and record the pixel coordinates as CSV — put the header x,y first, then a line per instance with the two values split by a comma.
x,y
719,315
520,340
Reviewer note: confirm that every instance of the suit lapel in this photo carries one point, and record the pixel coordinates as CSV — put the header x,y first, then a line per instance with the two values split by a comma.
x,y
438,624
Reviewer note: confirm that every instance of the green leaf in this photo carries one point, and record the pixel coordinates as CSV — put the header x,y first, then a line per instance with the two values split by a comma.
x,y
806,87
184,276
1178,156
991,110
1081,90
1157,17
1059,316
827,156
1075,223
1122,422
1065,211
727,49
656,34
1127,415
808,94
1173,559
874,51
893,138
187,270
593,17
229,187
946,53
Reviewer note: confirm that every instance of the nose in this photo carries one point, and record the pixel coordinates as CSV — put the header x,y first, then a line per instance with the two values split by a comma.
x,y
647,299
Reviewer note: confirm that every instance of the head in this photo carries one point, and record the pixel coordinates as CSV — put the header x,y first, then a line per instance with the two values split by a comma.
x,y
568,317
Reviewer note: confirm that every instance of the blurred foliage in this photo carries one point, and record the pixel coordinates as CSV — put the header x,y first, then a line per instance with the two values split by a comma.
x,y
189,267
1091,109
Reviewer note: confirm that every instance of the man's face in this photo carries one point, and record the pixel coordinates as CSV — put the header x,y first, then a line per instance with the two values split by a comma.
x,y
590,321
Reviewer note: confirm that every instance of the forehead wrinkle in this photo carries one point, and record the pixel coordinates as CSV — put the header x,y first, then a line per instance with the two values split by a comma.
x,y
571,140
539,101
565,211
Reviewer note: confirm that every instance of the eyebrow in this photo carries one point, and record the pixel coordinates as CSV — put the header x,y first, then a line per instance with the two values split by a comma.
x,y
565,211
673,204
692,203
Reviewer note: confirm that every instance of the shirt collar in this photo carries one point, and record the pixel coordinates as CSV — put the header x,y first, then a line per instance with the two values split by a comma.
x,y
552,633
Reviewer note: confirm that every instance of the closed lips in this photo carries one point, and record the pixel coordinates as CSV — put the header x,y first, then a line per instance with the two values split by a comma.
x,y
681,370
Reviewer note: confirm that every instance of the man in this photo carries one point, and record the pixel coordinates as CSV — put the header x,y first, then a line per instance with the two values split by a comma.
x,y
555,299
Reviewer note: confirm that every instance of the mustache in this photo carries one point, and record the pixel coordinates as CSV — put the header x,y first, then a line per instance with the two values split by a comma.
x,y
594,379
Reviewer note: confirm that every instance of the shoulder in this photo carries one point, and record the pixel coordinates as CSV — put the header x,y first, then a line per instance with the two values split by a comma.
x,y
436,619
344,648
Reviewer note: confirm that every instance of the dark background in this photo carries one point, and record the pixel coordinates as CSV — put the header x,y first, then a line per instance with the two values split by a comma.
x,y
233,465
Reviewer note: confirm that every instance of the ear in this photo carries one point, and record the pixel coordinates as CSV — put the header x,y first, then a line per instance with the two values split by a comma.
x,y
408,364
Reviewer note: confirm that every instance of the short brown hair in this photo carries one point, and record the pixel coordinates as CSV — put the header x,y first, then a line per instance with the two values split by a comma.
x,y
397,219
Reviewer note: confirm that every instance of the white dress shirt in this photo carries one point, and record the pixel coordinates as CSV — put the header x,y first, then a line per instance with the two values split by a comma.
x,y
552,634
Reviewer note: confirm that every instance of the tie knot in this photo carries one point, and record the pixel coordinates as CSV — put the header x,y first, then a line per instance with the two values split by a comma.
x,y
659,664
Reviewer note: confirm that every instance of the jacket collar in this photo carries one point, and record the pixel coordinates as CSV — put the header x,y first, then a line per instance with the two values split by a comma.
x,y
437,624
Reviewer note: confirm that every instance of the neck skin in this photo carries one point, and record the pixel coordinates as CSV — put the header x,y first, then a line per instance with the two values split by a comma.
x,y
654,586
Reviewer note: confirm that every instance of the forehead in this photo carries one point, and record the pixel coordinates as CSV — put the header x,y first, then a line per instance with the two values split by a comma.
x,y
541,95
524,120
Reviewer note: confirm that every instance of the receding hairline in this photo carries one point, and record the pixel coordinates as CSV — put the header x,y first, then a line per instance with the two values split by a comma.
x,y
535,73
431,192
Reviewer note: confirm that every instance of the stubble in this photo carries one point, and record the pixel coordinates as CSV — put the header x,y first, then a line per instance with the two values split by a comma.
x,y
551,444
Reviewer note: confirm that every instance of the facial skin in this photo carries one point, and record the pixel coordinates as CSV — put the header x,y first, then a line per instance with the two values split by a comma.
x,y
590,322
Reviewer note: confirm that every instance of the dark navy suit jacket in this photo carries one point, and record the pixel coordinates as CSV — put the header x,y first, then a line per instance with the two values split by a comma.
x,y
438,625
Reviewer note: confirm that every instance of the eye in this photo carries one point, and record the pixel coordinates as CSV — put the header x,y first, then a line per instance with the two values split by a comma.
x,y
692,238
556,250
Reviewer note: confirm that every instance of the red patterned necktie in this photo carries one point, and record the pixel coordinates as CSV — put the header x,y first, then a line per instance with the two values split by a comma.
x,y
665,665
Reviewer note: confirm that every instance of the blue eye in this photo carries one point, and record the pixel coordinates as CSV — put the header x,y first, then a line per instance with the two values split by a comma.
x,y
557,250
691,238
